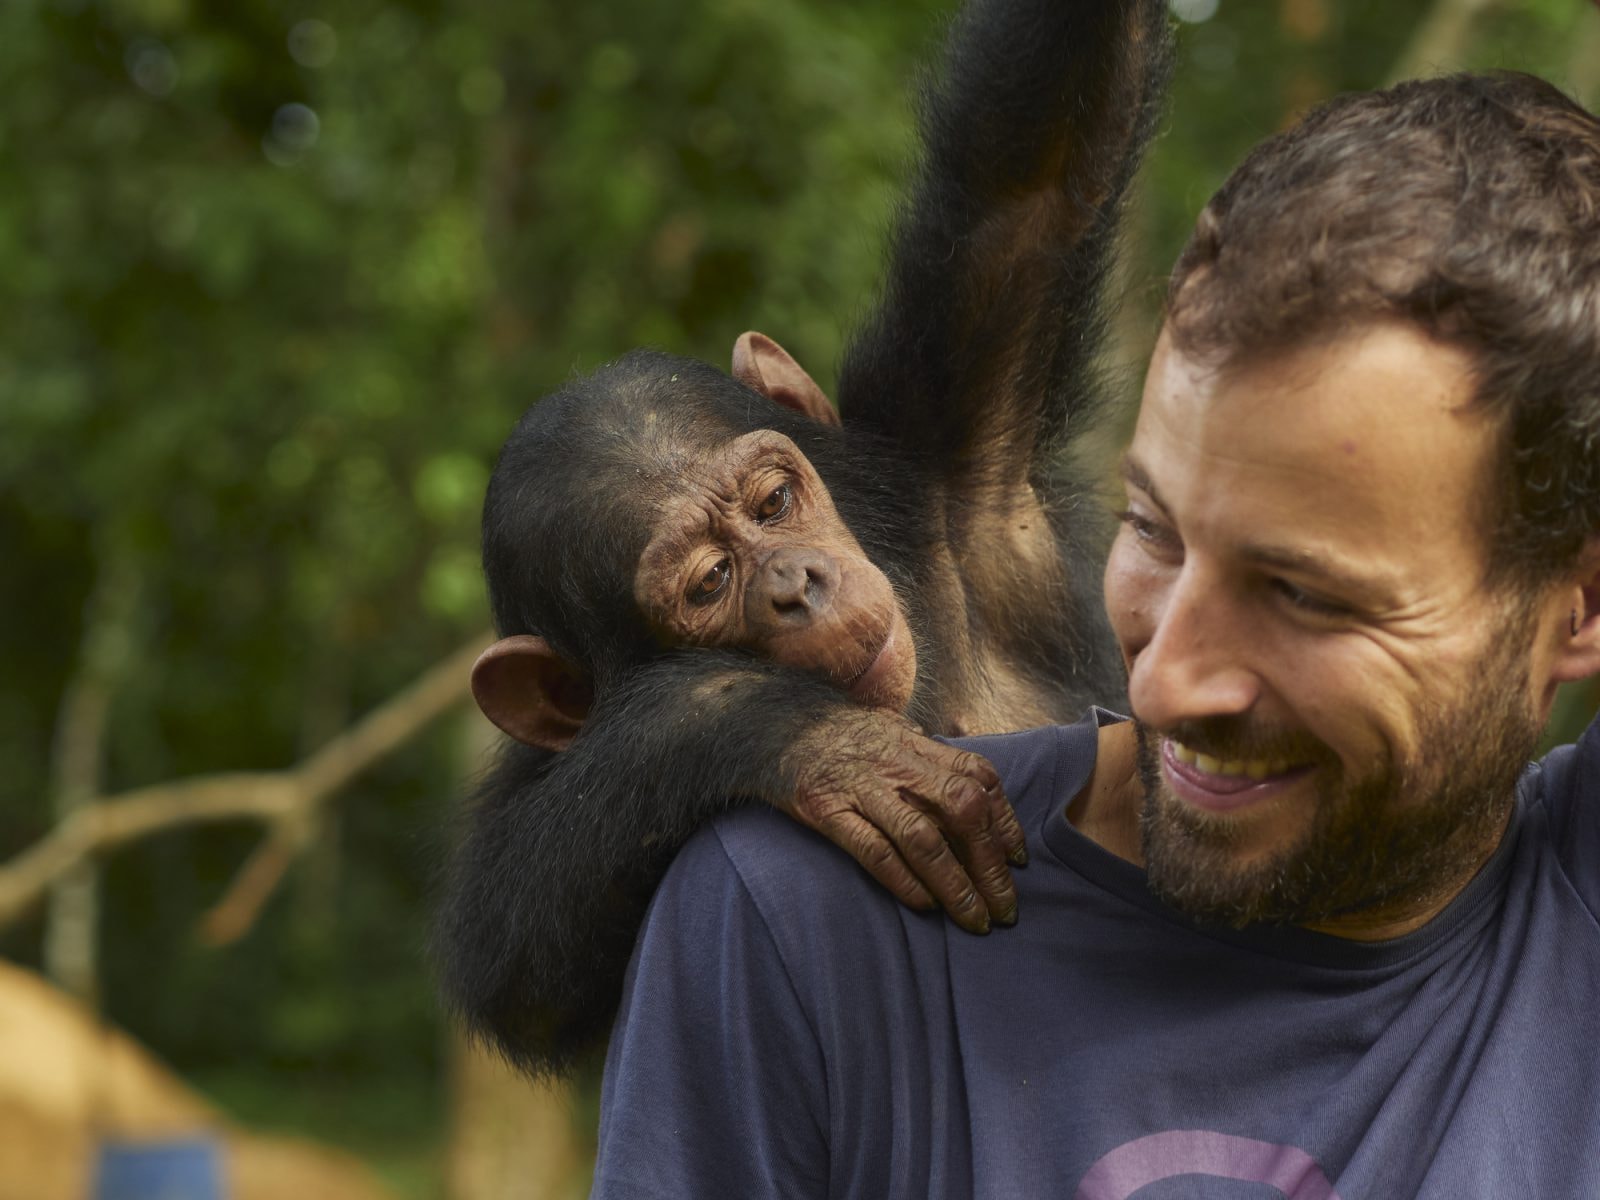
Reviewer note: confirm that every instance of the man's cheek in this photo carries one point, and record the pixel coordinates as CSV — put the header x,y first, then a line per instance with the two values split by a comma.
x,y
1134,587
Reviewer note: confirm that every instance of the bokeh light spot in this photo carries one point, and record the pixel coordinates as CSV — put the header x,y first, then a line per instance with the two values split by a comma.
x,y
151,66
295,129
452,586
450,486
1195,11
313,43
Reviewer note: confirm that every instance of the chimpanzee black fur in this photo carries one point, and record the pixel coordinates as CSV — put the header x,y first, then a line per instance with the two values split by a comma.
x,y
958,399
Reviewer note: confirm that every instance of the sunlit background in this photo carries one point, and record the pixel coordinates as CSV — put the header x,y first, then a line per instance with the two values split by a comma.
x,y
275,279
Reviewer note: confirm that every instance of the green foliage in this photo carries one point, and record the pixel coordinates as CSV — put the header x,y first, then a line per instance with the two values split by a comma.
x,y
276,283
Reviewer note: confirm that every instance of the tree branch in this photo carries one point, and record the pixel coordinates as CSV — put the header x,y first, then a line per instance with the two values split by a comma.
x,y
273,797
72,926
235,914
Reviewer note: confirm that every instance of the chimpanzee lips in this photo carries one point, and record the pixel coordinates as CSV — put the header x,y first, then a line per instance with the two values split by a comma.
x,y
866,680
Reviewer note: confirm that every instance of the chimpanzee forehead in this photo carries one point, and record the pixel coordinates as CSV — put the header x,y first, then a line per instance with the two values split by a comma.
x,y
697,487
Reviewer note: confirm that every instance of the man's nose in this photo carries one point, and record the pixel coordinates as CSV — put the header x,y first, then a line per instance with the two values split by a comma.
x,y
1200,659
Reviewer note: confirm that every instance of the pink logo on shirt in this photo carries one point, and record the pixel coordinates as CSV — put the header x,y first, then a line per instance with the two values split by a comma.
x,y
1159,1156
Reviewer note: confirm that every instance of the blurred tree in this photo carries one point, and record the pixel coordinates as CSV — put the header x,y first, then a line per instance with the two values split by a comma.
x,y
277,281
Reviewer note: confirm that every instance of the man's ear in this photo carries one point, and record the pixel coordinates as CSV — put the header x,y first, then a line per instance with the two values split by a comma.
x,y
525,688
1579,655
762,364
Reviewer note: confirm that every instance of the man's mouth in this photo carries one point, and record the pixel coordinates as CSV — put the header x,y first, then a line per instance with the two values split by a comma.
x,y
1251,768
1223,784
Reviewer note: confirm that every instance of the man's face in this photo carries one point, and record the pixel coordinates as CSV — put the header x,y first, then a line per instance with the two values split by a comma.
x,y
1332,708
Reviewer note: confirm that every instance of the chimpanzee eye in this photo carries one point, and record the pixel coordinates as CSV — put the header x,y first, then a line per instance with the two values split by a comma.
x,y
710,585
776,505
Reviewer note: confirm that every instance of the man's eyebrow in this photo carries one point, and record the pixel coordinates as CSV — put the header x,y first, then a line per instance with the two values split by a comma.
x,y
1138,477
1343,577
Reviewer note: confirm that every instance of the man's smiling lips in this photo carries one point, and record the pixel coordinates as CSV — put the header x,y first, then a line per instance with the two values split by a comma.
x,y
1219,786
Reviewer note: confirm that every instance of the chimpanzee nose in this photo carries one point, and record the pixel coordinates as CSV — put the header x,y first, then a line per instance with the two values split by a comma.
x,y
795,583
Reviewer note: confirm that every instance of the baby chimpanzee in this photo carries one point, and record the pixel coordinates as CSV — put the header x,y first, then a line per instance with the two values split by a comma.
x,y
709,589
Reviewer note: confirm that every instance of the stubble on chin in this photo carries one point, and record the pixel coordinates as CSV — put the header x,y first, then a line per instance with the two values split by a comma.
x,y
1402,834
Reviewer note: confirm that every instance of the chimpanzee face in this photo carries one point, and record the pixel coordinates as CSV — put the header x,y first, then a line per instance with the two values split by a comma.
x,y
749,553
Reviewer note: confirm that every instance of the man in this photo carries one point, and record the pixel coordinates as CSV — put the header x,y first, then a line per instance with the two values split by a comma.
x,y
1306,927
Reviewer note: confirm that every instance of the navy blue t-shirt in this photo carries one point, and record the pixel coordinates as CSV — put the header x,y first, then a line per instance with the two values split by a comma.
x,y
790,1030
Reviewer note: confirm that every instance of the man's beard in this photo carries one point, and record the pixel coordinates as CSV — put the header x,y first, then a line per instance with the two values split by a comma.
x,y
1400,834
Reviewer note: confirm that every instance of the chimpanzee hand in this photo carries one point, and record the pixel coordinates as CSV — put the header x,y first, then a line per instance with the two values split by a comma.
x,y
930,823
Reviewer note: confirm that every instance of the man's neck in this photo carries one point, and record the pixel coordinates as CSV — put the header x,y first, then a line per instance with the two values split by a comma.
x,y
1106,811
1410,913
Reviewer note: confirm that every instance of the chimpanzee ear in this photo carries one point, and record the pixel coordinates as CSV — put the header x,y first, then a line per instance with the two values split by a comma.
x,y
762,364
525,688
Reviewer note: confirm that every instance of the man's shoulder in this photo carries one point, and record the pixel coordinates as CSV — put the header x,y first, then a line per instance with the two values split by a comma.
x,y
1568,776
786,869
1045,766
1564,790
764,860
758,903
760,848
753,839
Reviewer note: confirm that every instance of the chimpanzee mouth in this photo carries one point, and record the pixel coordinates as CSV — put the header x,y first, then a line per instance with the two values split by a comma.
x,y
867,679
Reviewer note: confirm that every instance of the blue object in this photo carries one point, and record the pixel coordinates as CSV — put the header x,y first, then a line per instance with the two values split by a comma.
x,y
178,1169
789,1020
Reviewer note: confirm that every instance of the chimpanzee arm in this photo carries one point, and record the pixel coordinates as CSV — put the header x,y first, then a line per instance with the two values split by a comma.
x,y
561,851
982,346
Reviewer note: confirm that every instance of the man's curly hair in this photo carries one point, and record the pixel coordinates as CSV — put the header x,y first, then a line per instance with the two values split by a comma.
x,y
1468,205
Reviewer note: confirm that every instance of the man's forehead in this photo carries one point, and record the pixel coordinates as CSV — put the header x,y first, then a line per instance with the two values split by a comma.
x,y
1363,439
1376,379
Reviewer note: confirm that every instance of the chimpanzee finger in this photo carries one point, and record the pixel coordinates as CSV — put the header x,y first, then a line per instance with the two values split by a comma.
x,y
977,842
976,766
980,769
968,813
862,841
1007,828
928,855
1009,831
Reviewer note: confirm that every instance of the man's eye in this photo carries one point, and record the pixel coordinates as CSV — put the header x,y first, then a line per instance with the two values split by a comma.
x,y
776,505
709,586
1144,528
1309,602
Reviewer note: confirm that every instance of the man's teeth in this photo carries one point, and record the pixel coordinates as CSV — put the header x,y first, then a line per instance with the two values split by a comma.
x,y
1253,768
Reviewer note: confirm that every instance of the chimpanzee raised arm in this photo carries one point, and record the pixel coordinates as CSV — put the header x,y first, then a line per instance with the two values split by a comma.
x,y
655,530
983,345
979,362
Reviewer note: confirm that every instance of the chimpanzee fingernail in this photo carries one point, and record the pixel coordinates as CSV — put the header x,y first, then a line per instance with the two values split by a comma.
x,y
1018,857
979,923
1007,918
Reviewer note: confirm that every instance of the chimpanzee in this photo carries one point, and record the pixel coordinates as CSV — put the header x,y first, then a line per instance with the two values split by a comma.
x,y
709,589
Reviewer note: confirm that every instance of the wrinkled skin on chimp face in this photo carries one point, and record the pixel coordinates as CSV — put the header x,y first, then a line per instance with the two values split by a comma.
x,y
750,554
